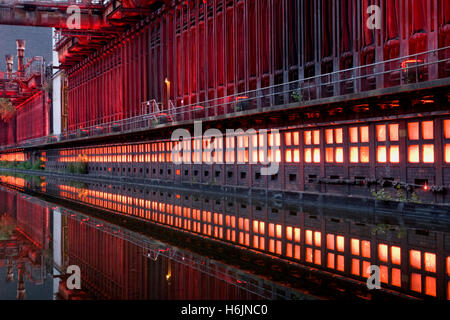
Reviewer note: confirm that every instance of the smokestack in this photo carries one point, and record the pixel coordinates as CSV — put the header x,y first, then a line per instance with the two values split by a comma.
x,y
9,64
20,54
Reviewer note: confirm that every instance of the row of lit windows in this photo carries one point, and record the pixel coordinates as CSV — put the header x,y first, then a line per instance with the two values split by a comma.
x,y
17,156
14,181
420,147
269,237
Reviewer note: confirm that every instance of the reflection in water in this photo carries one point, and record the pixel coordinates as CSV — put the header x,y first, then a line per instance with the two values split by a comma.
x,y
115,263
413,254
24,248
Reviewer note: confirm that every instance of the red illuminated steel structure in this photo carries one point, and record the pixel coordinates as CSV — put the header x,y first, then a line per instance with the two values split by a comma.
x,y
24,89
195,51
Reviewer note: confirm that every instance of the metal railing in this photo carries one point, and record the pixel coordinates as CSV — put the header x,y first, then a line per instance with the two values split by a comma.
x,y
389,73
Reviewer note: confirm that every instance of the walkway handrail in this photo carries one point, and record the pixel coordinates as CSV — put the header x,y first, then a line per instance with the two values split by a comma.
x,y
298,91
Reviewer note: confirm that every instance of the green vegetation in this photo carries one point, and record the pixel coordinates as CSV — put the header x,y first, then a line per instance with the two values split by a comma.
x,y
384,228
7,226
78,185
24,165
400,196
78,167
7,110
297,96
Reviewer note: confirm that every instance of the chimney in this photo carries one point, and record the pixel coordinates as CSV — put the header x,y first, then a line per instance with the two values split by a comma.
x,y
20,54
9,64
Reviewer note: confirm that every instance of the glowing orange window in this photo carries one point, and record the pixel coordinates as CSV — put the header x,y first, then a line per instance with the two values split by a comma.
x,y
312,154
335,246
334,151
313,254
415,259
293,242
383,252
413,131
292,151
413,154
420,142
387,143
361,252
430,262
359,147
427,130
448,266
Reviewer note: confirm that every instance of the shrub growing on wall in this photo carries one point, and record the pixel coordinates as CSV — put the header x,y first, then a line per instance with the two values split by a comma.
x,y
7,110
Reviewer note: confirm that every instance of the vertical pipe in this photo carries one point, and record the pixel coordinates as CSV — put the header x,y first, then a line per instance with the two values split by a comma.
x,y
9,64
20,54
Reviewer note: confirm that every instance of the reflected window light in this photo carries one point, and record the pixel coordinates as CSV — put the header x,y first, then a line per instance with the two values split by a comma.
x,y
297,234
430,262
289,233
279,231
330,260
317,239
448,266
365,249
308,237
395,255
318,257
384,274
289,250
396,277
416,282
355,267
355,247
415,259
309,255
340,263
383,252
430,286
340,243
365,269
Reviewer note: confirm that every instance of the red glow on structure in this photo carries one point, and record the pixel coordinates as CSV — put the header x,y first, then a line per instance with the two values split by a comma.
x,y
410,61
